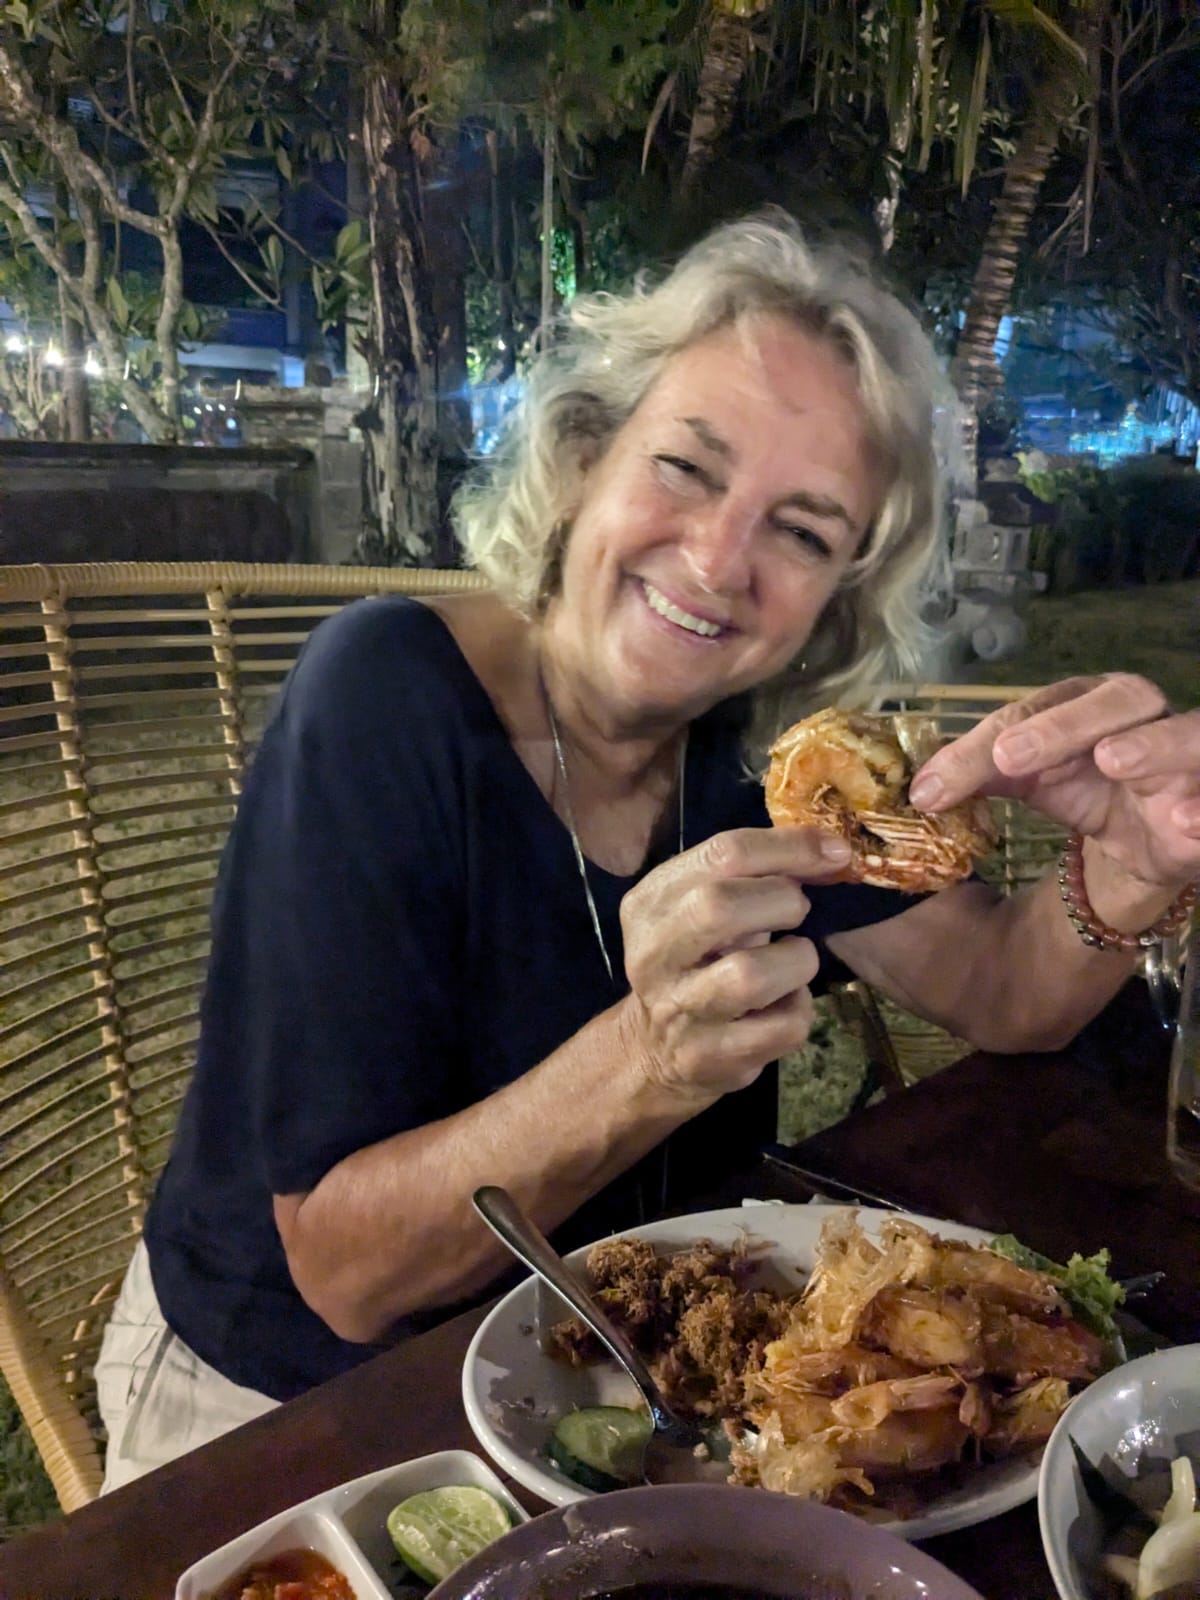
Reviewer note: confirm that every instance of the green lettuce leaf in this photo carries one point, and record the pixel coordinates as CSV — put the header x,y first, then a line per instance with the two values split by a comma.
x,y
1086,1286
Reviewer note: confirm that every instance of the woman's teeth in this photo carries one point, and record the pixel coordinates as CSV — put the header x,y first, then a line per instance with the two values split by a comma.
x,y
682,619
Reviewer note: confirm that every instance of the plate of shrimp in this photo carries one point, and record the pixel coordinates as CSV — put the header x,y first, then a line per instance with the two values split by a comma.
x,y
892,1365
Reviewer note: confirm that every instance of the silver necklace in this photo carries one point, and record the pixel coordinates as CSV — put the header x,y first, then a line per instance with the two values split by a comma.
x,y
580,862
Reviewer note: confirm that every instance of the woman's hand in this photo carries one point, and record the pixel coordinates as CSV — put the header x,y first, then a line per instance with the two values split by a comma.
x,y
1103,756
713,996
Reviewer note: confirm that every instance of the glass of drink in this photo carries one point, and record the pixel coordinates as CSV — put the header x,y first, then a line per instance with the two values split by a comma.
x,y
1183,1093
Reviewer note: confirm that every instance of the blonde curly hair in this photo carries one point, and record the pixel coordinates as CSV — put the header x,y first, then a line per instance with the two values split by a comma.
x,y
513,517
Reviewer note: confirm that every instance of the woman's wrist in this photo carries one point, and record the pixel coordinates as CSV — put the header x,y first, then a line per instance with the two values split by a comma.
x,y
1112,909
657,1091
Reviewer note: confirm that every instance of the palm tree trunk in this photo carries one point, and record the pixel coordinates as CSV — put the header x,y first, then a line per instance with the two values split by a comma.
x,y
974,367
549,160
501,263
726,56
400,425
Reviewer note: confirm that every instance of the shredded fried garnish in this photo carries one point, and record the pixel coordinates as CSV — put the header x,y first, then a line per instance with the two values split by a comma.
x,y
906,1360
693,1315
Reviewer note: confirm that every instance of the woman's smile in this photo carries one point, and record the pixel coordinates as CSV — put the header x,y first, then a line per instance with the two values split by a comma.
x,y
691,621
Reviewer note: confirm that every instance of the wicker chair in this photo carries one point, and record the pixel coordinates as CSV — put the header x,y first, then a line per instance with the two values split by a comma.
x,y
131,697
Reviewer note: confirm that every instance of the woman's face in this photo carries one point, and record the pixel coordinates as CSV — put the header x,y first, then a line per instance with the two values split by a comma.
x,y
713,531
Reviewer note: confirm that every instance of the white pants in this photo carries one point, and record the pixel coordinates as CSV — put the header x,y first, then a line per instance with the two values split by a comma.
x,y
157,1398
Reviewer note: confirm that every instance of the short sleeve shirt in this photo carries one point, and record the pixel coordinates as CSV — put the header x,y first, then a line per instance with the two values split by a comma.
x,y
400,930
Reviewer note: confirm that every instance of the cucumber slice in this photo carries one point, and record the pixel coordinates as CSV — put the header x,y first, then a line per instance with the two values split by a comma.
x,y
600,1447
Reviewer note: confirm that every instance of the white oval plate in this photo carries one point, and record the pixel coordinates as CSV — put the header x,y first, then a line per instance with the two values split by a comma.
x,y
514,1395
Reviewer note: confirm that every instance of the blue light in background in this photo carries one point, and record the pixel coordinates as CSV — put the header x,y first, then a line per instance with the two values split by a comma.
x,y
490,406
1177,428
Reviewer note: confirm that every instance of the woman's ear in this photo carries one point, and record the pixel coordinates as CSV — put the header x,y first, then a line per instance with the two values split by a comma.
x,y
586,453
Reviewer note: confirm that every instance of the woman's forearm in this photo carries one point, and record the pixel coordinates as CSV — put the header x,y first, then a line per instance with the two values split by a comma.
x,y
390,1229
1006,973
1035,982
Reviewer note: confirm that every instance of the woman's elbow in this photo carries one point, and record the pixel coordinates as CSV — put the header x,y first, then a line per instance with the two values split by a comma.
x,y
355,1321
347,1306
1015,1032
331,1285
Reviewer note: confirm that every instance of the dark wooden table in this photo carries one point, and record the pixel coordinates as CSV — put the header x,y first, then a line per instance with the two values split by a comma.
x,y
1065,1150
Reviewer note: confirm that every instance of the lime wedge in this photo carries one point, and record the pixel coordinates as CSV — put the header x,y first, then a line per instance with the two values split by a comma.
x,y
439,1529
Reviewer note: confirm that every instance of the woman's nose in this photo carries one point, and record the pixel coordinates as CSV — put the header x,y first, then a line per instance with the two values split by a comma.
x,y
717,549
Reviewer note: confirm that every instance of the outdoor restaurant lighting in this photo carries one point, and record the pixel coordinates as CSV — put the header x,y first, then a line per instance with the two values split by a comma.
x,y
15,344
53,356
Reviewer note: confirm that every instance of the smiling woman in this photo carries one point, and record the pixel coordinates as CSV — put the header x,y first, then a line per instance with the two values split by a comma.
x,y
752,294
501,905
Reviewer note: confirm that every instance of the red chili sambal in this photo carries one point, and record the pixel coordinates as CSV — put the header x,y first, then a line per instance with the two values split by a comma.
x,y
291,1575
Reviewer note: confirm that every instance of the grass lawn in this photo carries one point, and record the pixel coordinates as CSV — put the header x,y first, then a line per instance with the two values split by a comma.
x,y
1155,631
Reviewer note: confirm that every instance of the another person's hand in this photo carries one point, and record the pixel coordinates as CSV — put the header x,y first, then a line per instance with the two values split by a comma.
x,y
714,996
1103,756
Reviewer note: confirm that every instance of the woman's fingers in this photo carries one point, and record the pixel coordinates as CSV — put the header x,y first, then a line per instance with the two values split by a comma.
x,y
1048,729
807,854
1076,726
717,994
715,916
741,982
728,892
1159,749
725,1053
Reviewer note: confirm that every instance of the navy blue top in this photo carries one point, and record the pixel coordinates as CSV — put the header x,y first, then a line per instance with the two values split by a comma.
x,y
399,930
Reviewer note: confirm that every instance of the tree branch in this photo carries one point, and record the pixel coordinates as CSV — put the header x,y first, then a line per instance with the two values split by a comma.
x,y
17,404
243,272
84,295
11,196
185,174
78,169
1185,41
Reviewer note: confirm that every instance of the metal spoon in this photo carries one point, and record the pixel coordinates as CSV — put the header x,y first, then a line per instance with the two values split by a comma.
x,y
527,1242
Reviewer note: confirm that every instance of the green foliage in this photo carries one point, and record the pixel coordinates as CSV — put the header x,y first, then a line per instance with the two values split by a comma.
x,y
341,285
1138,522
1084,1280
592,69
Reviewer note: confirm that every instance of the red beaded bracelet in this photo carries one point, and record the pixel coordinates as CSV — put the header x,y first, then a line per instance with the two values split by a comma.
x,y
1098,934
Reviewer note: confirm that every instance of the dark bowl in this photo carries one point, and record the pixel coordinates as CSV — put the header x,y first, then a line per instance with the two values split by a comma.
x,y
749,1540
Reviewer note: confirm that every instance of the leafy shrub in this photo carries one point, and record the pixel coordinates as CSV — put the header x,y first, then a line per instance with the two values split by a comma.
x,y
1138,522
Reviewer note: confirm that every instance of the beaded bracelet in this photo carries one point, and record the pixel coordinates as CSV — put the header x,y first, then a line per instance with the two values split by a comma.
x,y
1098,934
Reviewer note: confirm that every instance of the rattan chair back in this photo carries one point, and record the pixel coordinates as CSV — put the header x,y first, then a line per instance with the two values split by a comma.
x,y
131,698
902,1047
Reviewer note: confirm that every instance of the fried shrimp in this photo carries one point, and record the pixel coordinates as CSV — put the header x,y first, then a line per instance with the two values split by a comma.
x,y
849,774
908,1353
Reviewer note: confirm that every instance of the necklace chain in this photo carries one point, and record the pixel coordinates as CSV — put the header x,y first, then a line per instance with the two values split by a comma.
x,y
580,862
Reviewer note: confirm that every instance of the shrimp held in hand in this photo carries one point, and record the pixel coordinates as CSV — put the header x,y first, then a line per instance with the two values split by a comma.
x,y
848,772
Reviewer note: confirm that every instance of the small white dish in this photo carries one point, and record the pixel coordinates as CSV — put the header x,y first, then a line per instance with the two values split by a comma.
x,y
1133,1419
347,1525
513,1394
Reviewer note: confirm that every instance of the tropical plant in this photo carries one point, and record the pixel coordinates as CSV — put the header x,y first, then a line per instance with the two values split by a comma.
x,y
1055,54
1125,253
729,30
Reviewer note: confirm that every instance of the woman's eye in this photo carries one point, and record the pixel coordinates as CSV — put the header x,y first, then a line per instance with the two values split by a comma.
x,y
679,467
816,542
